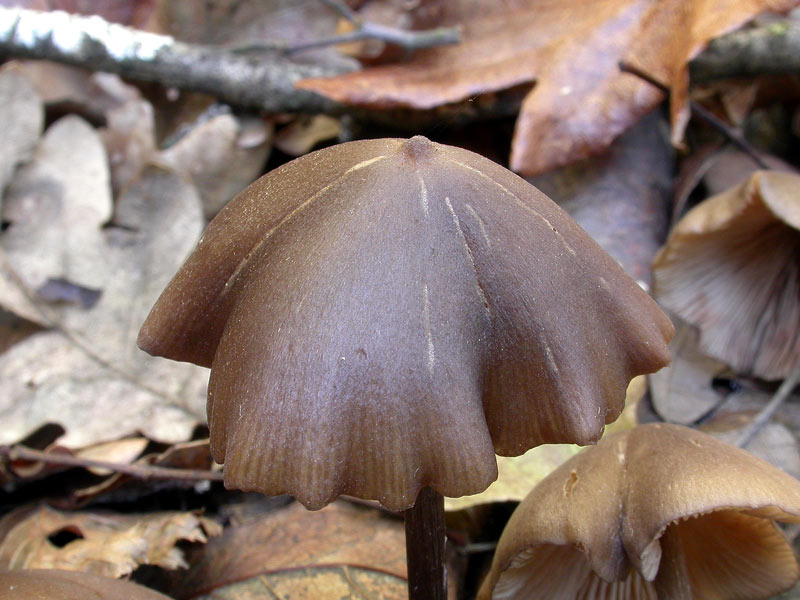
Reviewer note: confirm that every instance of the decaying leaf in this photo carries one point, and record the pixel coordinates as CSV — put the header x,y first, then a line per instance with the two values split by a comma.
x,y
21,120
731,268
86,374
102,543
682,391
341,551
572,49
56,206
620,198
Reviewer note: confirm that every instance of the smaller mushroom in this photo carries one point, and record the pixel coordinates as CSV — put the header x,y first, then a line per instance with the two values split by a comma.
x,y
659,511
52,584
731,267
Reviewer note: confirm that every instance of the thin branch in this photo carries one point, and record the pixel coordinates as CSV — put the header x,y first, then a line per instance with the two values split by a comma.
x,y
137,471
766,413
365,30
264,82
771,49
729,132
343,9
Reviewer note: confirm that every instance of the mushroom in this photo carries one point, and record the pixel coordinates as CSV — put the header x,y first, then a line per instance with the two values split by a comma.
x,y
659,511
731,267
52,584
383,316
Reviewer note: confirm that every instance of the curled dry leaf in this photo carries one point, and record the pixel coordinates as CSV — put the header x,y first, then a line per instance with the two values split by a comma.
x,y
581,100
658,511
107,544
731,267
76,374
323,554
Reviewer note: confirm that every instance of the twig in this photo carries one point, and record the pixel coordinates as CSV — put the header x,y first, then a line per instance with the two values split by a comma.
x,y
766,413
771,49
264,82
410,40
137,471
731,134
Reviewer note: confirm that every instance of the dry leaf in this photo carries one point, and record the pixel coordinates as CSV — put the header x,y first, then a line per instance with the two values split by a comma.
x,y
21,120
571,48
319,555
87,374
101,543
682,391
730,267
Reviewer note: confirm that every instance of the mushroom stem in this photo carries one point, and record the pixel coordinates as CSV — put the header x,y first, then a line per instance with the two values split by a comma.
x,y
425,541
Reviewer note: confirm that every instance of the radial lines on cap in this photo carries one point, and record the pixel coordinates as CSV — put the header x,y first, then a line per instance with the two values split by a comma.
x,y
295,212
519,201
423,194
464,242
426,316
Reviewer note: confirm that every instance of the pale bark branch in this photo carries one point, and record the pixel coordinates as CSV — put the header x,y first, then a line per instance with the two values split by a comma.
x,y
265,82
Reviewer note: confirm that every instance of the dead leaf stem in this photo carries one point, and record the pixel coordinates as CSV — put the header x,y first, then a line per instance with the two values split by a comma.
x,y
721,126
766,413
138,471
410,40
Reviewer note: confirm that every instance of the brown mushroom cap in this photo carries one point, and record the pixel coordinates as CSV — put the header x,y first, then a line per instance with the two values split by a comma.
x,y
657,509
384,315
731,267
52,584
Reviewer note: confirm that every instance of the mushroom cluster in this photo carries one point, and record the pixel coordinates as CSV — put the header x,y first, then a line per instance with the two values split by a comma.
x,y
383,316
659,511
